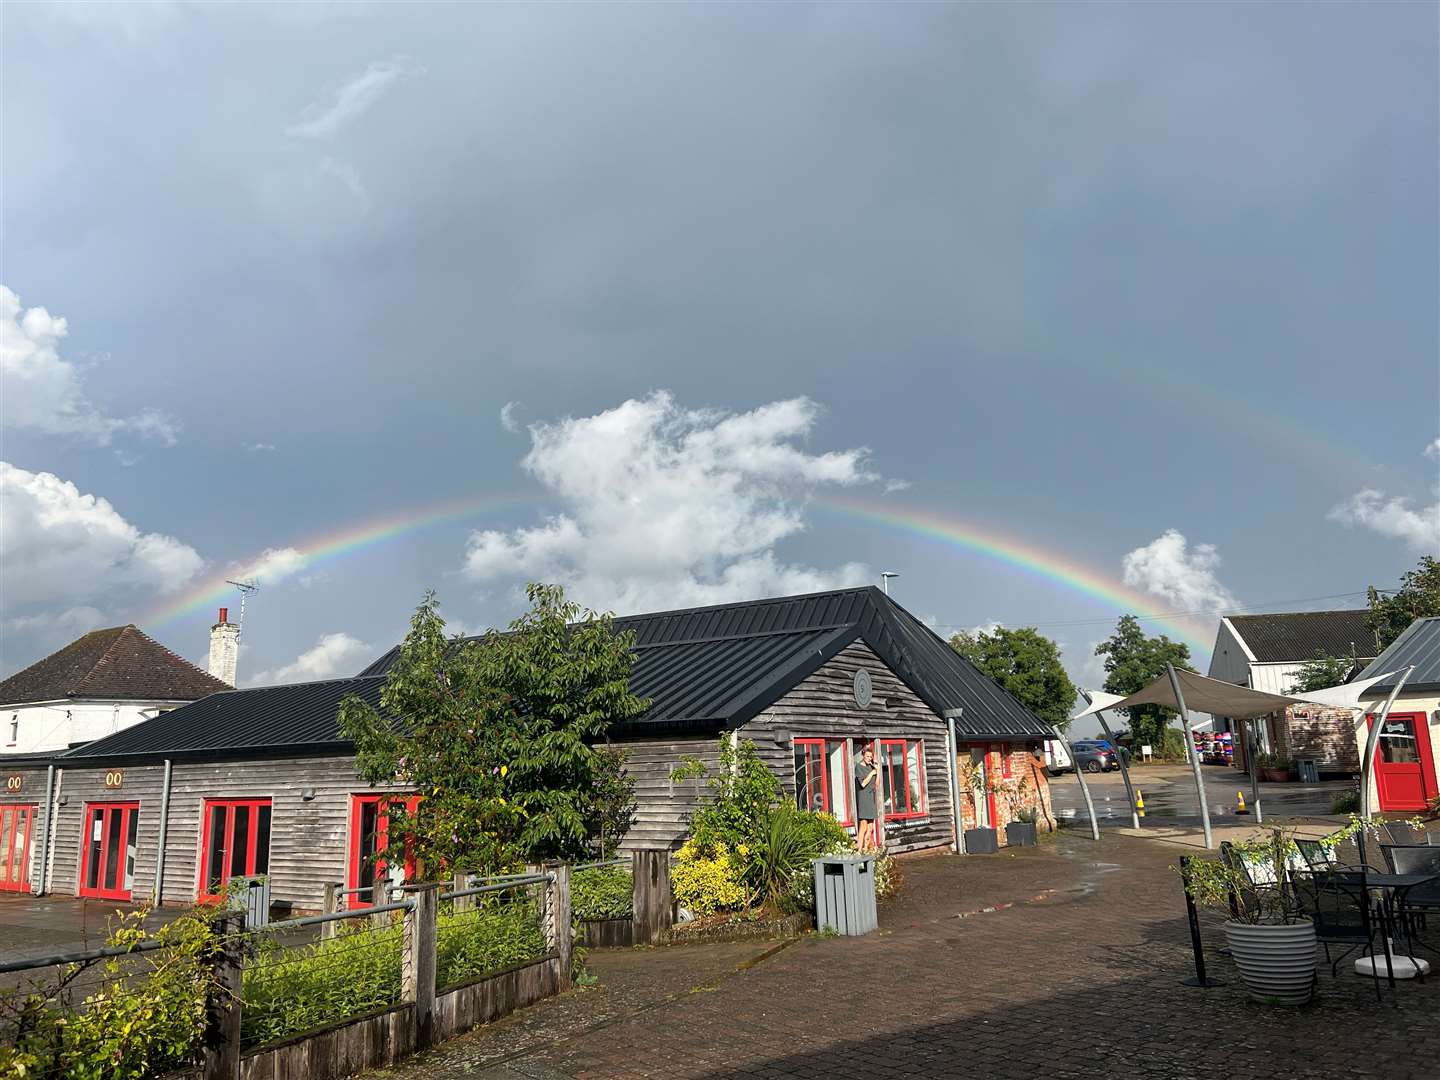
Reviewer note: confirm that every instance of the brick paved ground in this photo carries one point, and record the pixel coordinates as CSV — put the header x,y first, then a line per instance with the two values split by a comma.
x,y
1078,977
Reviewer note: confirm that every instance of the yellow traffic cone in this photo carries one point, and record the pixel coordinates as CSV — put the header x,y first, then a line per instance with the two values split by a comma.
x,y
1240,809
1139,803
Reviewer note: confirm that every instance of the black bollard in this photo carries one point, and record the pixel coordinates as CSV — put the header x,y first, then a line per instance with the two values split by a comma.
x,y
1199,978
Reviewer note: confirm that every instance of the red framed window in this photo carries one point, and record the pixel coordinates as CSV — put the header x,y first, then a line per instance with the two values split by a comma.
x,y
15,824
822,777
234,842
369,837
902,767
107,858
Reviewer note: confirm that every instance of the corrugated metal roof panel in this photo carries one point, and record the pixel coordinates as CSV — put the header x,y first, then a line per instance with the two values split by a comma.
x,y
1294,636
1419,645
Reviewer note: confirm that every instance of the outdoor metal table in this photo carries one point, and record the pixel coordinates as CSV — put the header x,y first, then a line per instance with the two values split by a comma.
x,y
1393,888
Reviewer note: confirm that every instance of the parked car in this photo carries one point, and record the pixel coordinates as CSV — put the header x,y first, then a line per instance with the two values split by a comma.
x,y
1096,755
1057,760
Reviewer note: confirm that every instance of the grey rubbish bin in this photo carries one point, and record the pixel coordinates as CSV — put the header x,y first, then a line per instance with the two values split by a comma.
x,y
845,894
1309,770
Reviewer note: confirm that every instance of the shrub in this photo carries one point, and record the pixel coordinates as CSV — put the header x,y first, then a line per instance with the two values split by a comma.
x,y
473,943
147,1020
707,880
602,892
1347,802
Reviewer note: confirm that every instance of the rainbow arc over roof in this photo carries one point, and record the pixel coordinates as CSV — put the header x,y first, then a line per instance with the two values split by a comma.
x,y
1052,566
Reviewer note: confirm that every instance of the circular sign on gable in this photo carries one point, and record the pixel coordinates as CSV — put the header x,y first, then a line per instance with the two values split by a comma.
x,y
864,691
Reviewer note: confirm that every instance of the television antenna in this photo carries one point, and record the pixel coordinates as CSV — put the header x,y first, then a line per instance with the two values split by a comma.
x,y
246,588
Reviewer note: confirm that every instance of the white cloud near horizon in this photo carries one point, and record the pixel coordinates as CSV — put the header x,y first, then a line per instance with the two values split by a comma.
x,y
272,566
1183,576
325,118
338,654
665,506
44,392
67,558
1395,516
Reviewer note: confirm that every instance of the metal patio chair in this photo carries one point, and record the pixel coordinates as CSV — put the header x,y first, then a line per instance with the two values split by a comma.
x,y
1420,901
1338,903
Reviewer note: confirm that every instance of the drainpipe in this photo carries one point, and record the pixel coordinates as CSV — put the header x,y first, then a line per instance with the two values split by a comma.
x,y
952,750
164,821
45,832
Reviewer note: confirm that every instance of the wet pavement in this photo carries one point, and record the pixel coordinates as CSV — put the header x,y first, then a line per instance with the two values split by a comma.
x,y
1169,793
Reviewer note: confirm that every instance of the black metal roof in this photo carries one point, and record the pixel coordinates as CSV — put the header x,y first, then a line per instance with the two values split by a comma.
x,y
262,721
1418,644
1293,636
716,667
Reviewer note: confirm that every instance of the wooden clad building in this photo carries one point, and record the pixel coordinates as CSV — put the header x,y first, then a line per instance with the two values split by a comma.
x,y
260,782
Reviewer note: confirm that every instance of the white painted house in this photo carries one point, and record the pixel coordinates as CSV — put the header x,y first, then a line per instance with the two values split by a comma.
x,y
1266,652
101,683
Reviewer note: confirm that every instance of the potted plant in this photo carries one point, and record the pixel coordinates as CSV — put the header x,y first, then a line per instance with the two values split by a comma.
x,y
980,840
1274,768
1021,831
1270,939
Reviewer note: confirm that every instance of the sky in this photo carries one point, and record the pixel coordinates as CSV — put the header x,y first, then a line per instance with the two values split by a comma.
x,y
1057,311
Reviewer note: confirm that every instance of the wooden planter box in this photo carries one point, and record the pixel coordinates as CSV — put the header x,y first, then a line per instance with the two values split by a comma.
x,y
981,842
1020,834
607,933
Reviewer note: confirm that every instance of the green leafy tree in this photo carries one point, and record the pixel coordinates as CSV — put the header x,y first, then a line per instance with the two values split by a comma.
x,y
612,801
1418,597
1321,672
1132,661
1027,664
496,736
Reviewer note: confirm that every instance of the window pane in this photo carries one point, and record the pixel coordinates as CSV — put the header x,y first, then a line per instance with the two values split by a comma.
x,y
914,771
1397,743
112,849
802,795
6,825
894,778
365,864
240,841
134,816
839,780
262,841
215,851
92,864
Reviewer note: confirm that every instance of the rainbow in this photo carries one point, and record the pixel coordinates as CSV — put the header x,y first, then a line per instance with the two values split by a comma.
x,y
1050,566
327,546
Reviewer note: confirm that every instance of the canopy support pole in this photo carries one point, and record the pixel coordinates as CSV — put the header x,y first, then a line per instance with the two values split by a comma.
x,y
1367,764
1250,751
1194,758
1084,787
1120,757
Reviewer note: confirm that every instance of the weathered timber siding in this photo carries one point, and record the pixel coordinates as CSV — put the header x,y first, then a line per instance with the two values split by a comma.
x,y
664,806
823,706
31,793
308,840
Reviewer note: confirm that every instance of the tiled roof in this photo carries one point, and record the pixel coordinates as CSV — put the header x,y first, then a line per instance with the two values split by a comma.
x,y
1294,636
122,663
1418,645
301,716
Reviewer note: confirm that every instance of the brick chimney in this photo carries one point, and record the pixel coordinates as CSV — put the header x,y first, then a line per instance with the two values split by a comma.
x,y
224,648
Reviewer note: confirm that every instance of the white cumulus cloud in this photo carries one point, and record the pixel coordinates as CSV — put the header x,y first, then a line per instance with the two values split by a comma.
x,y
43,392
272,566
325,118
510,417
1393,517
333,655
1433,450
665,506
1168,567
68,558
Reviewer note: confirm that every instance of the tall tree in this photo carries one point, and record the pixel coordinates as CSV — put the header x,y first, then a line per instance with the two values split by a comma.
x,y
1132,661
1026,663
1418,597
497,736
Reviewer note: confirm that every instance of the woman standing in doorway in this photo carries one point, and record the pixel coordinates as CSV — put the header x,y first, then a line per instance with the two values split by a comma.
x,y
866,779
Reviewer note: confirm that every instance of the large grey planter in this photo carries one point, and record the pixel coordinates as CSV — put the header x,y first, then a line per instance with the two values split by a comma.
x,y
1276,960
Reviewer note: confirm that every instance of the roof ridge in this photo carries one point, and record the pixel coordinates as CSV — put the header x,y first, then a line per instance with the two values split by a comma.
x,y
123,630
747,603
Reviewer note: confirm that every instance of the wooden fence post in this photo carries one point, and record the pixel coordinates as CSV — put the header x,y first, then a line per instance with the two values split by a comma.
x,y
417,984
332,905
653,901
462,903
559,935
222,1010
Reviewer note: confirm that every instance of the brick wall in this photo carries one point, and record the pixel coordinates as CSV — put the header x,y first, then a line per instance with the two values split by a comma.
x,y
1026,786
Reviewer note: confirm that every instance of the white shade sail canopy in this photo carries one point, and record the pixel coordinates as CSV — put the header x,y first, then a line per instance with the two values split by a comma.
x,y
1203,694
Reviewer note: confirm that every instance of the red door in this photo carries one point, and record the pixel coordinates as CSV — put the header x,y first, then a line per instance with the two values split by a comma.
x,y
1404,764
107,866
15,825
